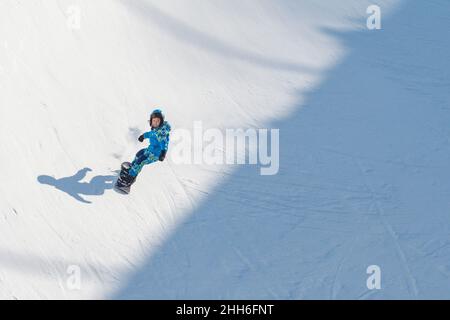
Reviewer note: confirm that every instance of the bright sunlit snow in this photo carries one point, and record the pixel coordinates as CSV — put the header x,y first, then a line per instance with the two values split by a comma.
x,y
364,149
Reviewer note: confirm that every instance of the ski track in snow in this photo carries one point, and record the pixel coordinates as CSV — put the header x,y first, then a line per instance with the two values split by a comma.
x,y
401,254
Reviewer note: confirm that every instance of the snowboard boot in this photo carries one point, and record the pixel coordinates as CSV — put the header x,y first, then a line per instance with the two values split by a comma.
x,y
126,166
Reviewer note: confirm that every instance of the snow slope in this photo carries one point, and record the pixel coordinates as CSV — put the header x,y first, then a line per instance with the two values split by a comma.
x,y
364,176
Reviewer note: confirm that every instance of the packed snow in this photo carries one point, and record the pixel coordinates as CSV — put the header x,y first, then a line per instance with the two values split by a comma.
x,y
364,164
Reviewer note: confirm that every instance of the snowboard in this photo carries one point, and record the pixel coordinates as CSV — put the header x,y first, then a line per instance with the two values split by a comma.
x,y
122,184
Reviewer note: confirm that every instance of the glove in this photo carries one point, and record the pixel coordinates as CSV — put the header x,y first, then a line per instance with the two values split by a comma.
x,y
162,156
141,138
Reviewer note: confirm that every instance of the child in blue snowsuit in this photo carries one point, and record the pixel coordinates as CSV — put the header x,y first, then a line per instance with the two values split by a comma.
x,y
159,143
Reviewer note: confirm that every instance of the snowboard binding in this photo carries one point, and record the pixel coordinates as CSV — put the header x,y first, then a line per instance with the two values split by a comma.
x,y
125,181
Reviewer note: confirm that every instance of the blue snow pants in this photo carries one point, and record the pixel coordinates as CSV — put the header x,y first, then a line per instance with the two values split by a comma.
x,y
143,158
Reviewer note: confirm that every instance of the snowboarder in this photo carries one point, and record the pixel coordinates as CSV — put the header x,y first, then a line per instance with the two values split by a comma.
x,y
158,137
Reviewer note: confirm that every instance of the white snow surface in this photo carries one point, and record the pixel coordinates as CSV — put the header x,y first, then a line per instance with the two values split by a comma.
x,y
364,150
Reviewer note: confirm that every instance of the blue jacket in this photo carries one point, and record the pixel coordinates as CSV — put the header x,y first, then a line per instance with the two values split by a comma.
x,y
159,139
